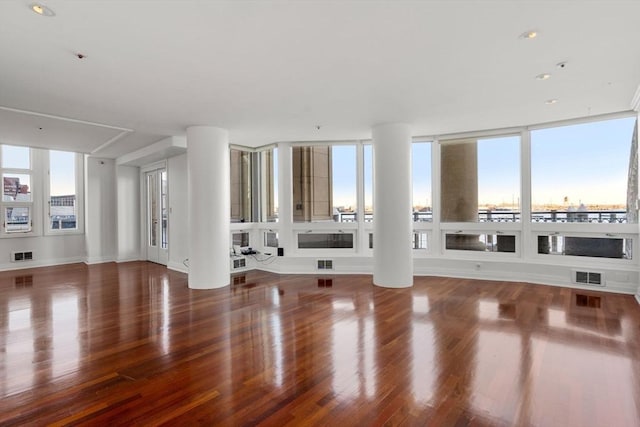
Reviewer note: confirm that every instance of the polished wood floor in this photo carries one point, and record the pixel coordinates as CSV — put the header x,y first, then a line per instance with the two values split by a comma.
x,y
130,344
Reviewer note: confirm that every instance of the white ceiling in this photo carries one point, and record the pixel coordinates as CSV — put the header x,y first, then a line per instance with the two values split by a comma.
x,y
272,71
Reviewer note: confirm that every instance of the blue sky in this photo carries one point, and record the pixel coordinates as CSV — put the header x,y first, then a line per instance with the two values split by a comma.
x,y
586,163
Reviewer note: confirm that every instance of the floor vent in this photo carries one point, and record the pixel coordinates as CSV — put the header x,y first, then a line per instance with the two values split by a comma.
x,y
21,256
239,263
588,278
325,264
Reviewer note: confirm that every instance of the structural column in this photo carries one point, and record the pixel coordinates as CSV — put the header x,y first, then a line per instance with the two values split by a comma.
x,y
209,205
392,253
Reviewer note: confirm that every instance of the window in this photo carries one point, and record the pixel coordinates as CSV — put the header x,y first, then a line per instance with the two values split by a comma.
x,y
269,185
481,242
600,247
63,201
368,183
270,239
241,239
481,180
325,240
585,173
324,183
419,240
421,170
17,197
241,185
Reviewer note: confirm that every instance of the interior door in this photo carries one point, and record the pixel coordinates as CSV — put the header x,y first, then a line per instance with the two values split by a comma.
x,y
157,232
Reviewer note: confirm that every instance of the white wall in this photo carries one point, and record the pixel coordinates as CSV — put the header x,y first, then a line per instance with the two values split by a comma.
x,y
178,213
100,210
128,196
47,250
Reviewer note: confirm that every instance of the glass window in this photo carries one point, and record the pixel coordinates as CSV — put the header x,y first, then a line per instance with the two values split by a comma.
x,y
16,157
585,173
240,170
419,240
16,187
269,189
481,242
324,183
241,239
600,247
421,172
325,240
17,196
481,180
368,183
17,219
270,239
63,206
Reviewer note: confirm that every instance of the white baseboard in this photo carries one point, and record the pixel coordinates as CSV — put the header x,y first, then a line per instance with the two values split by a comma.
x,y
98,260
638,295
129,258
21,265
177,266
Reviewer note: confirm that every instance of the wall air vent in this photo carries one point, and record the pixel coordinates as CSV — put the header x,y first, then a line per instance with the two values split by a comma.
x,y
325,264
588,278
21,256
239,263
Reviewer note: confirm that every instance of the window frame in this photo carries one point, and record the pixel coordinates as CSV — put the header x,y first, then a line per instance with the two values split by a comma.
x,y
33,205
79,184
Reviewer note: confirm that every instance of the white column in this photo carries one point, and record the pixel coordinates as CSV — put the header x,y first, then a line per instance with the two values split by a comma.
x,y
209,204
285,208
392,229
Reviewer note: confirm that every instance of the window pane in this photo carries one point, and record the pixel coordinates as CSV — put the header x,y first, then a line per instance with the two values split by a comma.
x,y
324,183
481,242
240,169
16,157
17,219
419,240
325,241
368,183
601,247
17,187
164,210
585,173
62,187
269,189
421,171
481,180
241,239
270,239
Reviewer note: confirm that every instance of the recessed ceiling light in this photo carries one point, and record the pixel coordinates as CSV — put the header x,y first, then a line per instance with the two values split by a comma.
x,y
551,101
531,34
543,76
41,9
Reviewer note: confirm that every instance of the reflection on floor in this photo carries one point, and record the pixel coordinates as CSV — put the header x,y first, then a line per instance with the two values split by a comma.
x,y
131,344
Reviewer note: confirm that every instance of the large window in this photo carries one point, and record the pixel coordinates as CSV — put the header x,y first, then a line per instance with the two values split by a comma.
x,y
269,185
324,183
368,182
421,171
585,173
63,200
241,185
481,180
17,197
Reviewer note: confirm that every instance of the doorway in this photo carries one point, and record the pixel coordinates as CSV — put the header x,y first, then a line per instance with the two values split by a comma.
x,y
157,218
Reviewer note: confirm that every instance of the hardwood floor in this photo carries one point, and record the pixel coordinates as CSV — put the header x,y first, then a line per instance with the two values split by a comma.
x,y
130,344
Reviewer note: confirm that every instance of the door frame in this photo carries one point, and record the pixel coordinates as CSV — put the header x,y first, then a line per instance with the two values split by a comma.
x,y
163,253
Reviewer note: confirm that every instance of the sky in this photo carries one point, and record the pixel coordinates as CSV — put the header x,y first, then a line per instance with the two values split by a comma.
x,y
586,163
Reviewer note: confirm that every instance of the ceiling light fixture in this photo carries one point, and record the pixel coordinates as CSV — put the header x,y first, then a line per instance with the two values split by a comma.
x,y
543,76
41,9
551,101
531,34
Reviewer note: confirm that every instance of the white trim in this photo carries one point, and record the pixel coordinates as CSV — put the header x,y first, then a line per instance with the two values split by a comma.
x,y
175,266
66,119
635,101
110,141
99,260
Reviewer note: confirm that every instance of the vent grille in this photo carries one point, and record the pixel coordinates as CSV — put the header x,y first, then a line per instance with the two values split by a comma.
x,y
239,263
588,278
21,256
325,264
